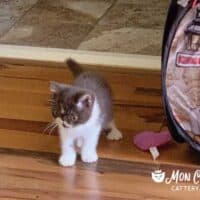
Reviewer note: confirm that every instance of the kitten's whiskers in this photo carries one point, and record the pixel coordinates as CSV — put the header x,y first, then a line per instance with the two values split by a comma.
x,y
52,102
50,127
55,125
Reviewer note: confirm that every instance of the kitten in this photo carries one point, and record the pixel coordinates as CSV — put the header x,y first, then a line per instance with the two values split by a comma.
x,y
81,111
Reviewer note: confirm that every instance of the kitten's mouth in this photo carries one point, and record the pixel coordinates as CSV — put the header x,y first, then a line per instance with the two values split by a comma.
x,y
65,125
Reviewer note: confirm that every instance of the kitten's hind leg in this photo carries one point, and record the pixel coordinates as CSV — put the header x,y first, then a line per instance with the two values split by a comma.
x,y
113,133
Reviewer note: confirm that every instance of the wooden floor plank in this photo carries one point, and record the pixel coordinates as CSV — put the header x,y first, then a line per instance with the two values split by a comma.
x,y
118,150
40,177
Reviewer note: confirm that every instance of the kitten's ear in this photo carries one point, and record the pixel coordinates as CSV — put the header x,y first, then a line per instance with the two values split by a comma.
x,y
56,87
85,100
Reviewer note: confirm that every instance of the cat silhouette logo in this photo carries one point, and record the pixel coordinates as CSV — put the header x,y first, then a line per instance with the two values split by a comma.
x,y
158,176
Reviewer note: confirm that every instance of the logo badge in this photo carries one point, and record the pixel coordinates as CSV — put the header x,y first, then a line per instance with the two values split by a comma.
x,y
188,60
158,176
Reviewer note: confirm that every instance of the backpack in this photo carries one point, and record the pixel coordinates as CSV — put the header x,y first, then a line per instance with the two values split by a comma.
x,y
181,71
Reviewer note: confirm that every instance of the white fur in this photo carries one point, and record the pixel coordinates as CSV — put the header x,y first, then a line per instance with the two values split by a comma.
x,y
115,134
183,3
80,105
62,110
79,142
84,136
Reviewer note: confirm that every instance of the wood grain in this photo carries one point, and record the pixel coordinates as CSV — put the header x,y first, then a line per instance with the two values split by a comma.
x,y
39,177
128,118
28,164
119,150
132,87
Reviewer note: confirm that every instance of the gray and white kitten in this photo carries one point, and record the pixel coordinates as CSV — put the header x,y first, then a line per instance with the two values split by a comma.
x,y
81,111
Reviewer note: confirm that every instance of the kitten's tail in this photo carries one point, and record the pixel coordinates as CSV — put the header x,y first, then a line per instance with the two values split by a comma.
x,y
74,67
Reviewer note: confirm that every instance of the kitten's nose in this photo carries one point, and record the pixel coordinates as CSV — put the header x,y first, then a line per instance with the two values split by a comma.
x,y
62,117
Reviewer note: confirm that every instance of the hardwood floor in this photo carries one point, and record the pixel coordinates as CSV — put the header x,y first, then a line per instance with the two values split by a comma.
x,y
27,175
28,157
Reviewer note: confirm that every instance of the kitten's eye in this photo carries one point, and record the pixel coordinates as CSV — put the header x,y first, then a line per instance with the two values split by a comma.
x,y
74,118
55,113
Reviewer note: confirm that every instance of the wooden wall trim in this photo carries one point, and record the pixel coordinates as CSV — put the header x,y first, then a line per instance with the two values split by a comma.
x,y
51,56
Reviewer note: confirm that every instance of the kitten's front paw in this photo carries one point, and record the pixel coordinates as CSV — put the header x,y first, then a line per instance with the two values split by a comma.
x,y
115,134
89,157
67,160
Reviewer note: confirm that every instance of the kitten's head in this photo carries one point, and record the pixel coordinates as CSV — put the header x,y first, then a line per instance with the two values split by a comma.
x,y
70,105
